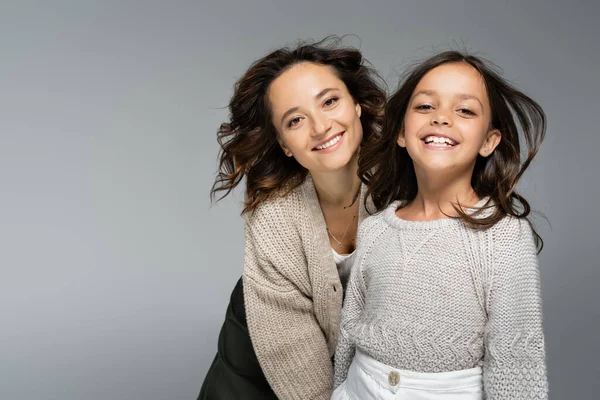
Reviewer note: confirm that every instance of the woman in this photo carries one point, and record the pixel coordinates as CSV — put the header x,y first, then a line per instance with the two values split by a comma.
x,y
297,120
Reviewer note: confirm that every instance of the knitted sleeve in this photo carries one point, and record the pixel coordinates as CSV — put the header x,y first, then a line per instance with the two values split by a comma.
x,y
514,364
289,343
353,307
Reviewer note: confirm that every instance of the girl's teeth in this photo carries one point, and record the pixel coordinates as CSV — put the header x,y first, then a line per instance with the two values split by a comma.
x,y
439,141
330,143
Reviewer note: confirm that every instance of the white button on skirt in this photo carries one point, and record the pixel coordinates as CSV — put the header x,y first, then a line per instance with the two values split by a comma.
x,y
370,379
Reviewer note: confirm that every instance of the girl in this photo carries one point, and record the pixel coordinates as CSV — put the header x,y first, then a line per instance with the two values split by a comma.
x,y
444,297
298,118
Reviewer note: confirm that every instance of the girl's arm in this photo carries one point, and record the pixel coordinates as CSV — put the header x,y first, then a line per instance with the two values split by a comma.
x,y
514,365
354,304
290,345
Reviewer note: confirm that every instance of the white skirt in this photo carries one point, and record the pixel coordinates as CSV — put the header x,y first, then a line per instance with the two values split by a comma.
x,y
370,379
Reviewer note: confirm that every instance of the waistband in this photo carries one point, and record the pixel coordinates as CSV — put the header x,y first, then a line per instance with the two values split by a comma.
x,y
418,380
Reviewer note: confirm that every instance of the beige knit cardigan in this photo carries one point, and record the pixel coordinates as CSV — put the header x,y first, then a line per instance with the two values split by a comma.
x,y
293,294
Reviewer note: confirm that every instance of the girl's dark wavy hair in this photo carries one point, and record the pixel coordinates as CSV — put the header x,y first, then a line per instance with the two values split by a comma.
x,y
388,170
248,141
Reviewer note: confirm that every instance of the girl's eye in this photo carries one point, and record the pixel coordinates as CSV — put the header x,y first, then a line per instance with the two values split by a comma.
x,y
424,107
466,111
293,122
331,101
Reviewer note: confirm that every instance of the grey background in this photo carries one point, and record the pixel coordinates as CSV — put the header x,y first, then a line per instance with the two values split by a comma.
x,y
115,269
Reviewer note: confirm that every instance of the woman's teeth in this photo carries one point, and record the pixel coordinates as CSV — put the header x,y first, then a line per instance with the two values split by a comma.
x,y
329,143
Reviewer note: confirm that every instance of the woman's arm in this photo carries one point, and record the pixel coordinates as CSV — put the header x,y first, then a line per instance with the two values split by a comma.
x,y
289,342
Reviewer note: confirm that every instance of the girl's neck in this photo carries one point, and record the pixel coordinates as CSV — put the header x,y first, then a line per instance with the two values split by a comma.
x,y
337,188
438,194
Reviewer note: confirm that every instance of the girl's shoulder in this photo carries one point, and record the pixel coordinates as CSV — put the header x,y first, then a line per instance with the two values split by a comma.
x,y
512,228
371,227
513,243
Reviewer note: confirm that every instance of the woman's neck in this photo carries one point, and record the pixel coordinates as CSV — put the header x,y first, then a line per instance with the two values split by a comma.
x,y
337,188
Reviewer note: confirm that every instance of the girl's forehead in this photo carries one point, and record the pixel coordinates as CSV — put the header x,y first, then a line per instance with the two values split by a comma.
x,y
457,79
453,75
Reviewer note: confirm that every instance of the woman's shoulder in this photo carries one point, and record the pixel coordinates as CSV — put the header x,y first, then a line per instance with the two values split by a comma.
x,y
274,204
278,206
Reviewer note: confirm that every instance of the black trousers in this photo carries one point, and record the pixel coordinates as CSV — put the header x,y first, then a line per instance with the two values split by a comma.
x,y
235,372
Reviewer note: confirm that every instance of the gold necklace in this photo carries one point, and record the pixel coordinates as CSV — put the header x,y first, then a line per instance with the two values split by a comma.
x,y
339,242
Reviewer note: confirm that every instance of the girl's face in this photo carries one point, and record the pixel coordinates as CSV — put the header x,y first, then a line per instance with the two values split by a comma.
x,y
447,122
317,121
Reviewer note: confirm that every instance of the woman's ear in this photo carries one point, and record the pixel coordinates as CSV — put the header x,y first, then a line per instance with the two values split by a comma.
x,y
401,140
285,149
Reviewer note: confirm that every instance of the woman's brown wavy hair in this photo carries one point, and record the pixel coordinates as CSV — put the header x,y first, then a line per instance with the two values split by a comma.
x,y
388,170
248,141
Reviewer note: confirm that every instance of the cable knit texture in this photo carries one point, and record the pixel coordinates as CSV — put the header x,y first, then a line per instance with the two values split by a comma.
x,y
293,294
436,296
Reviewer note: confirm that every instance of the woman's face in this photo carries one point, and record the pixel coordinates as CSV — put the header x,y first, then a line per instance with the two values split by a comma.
x,y
317,121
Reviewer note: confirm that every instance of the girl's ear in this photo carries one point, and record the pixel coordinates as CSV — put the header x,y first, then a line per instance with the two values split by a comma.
x,y
492,140
358,109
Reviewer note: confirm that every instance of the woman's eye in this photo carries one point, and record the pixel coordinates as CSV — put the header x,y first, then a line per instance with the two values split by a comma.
x,y
331,101
293,122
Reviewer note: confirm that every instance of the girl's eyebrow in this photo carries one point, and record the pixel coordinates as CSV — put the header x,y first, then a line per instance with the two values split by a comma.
x,y
426,92
462,96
